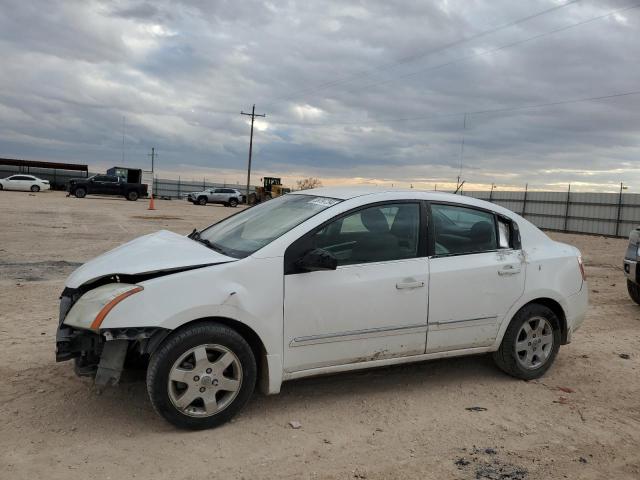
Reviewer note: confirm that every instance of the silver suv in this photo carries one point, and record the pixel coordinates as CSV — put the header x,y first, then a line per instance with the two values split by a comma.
x,y
229,197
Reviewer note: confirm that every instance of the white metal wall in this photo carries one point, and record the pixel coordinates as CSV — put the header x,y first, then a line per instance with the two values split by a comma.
x,y
595,213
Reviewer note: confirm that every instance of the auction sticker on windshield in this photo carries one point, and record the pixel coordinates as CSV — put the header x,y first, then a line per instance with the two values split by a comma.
x,y
324,201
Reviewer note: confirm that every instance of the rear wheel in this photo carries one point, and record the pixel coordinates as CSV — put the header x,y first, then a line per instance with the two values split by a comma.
x,y
132,196
1,187
530,344
202,200
233,202
634,291
202,376
80,193
35,188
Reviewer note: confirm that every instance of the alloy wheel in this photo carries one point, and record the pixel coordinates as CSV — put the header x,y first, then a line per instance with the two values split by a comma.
x,y
204,380
534,343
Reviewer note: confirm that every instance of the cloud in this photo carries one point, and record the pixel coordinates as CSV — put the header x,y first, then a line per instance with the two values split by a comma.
x,y
374,90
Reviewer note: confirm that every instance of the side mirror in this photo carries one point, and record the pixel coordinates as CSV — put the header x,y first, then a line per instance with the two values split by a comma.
x,y
317,259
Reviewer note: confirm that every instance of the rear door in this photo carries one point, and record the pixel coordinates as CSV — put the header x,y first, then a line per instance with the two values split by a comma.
x,y
21,182
374,305
476,275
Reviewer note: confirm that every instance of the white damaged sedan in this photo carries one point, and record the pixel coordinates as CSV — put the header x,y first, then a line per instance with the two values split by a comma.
x,y
316,282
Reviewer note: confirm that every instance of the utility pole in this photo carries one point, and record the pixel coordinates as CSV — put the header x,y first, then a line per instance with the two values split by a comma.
x,y
153,156
123,140
622,187
253,115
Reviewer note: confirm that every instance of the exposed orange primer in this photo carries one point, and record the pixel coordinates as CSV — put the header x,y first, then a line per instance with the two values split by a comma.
x,y
109,306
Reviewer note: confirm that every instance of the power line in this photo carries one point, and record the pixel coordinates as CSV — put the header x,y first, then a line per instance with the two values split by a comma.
x,y
493,50
415,57
469,113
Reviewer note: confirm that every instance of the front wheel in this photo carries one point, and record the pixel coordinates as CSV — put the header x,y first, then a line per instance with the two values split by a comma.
x,y
201,376
634,291
202,200
35,188
233,202
80,193
530,344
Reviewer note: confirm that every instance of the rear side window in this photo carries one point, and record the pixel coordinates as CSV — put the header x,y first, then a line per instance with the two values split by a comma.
x,y
504,234
461,230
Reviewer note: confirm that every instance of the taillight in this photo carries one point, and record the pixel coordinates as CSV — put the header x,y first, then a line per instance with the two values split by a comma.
x,y
581,265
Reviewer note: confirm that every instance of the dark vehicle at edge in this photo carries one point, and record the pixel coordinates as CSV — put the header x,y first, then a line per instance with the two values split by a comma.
x,y
631,265
106,185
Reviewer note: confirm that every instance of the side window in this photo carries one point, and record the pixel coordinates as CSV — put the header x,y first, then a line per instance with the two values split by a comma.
x,y
504,234
100,178
375,234
460,230
219,190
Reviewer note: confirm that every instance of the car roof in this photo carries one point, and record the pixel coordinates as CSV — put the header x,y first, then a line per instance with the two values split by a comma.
x,y
386,193
348,192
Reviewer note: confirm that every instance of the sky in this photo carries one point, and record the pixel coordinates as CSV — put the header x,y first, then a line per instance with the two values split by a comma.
x,y
403,93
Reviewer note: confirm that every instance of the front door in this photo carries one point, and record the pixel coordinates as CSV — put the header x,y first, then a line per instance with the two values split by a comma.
x,y
374,305
13,183
477,274
111,185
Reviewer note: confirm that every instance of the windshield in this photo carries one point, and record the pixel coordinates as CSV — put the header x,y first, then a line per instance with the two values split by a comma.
x,y
248,231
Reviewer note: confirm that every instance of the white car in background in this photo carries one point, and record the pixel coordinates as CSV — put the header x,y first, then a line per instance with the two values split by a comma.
x,y
24,182
317,282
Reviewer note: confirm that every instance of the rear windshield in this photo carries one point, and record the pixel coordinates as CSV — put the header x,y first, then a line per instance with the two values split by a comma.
x,y
248,231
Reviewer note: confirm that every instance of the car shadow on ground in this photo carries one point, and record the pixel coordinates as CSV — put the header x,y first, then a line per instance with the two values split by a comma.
x,y
129,400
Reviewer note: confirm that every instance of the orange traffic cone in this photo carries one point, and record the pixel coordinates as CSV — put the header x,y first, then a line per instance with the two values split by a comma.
x,y
151,205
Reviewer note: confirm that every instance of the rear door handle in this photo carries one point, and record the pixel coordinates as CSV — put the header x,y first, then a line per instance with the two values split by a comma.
x,y
509,270
403,285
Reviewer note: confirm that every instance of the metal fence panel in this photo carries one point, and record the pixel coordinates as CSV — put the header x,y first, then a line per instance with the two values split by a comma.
x,y
608,214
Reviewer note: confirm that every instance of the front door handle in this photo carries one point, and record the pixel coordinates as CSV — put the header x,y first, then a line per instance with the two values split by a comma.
x,y
509,270
403,285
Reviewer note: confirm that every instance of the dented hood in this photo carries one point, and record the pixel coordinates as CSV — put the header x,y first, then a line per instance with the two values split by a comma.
x,y
160,251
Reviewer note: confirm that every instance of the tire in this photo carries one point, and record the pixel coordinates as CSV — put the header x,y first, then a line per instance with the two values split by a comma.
x,y
132,196
80,193
634,291
1,187
35,188
536,356
233,202
202,200
177,354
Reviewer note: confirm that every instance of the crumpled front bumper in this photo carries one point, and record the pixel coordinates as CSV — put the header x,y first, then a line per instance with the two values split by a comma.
x,y
101,354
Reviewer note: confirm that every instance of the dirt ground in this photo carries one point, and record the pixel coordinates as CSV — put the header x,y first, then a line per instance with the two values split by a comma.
x,y
582,420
